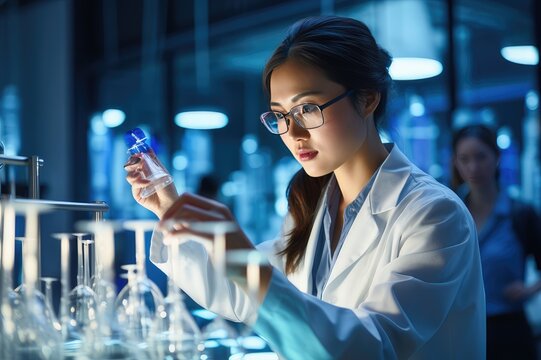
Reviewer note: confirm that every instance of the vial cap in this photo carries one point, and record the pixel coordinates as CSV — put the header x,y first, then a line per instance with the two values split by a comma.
x,y
134,136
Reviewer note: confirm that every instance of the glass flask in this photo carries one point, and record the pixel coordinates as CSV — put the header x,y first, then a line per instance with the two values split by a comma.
x,y
36,336
138,301
104,338
175,334
82,301
151,169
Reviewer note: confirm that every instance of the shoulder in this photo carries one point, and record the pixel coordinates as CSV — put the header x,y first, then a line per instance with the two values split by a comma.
x,y
425,192
431,211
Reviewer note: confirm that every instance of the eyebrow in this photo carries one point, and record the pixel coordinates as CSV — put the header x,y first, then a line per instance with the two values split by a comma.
x,y
298,97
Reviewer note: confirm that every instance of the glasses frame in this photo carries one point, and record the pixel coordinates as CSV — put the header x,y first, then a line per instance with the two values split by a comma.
x,y
289,114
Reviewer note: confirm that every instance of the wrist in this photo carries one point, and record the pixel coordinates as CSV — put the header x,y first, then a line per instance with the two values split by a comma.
x,y
165,204
265,279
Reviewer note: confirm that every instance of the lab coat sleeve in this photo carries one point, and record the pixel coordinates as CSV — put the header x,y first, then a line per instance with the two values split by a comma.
x,y
196,276
409,299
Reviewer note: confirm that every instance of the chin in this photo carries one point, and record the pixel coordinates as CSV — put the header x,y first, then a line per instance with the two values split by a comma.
x,y
316,172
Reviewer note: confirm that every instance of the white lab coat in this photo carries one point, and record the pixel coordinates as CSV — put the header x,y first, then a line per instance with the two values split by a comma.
x,y
407,282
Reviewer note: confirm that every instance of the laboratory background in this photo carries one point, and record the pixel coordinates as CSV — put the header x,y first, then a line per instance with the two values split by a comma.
x,y
75,75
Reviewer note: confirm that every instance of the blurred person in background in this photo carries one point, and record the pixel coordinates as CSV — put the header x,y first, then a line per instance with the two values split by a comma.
x,y
208,186
508,231
376,259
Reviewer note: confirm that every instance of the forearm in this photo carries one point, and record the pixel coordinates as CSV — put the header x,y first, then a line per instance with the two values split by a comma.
x,y
535,288
195,275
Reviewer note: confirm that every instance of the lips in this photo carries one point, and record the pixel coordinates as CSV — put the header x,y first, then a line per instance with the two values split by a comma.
x,y
305,155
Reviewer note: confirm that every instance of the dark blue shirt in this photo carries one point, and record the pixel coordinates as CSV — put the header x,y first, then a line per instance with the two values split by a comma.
x,y
502,256
323,260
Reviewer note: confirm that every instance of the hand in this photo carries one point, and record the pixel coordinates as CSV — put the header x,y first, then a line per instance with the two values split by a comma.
x,y
190,207
518,291
158,202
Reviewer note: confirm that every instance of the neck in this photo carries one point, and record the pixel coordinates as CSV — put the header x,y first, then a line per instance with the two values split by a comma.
x,y
484,194
353,176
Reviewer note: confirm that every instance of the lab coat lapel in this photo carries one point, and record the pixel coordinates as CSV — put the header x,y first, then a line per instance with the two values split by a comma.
x,y
363,233
370,222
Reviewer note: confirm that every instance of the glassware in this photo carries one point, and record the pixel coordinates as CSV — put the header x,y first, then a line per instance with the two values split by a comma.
x,y
71,337
11,302
249,260
86,262
175,335
82,299
80,261
219,339
48,294
36,336
151,169
48,281
19,288
138,301
104,338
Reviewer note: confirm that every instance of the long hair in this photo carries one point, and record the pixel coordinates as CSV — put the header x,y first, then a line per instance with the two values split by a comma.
x,y
480,132
347,53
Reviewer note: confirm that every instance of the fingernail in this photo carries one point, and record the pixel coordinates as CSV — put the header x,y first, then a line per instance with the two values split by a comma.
x,y
132,161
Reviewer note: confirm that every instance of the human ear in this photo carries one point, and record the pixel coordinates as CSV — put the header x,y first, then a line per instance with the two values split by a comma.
x,y
368,102
372,102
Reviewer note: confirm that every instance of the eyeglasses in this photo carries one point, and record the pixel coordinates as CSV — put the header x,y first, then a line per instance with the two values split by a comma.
x,y
307,116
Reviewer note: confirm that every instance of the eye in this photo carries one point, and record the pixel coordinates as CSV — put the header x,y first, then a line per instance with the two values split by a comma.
x,y
308,108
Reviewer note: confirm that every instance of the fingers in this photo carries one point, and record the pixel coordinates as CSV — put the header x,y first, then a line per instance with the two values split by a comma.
x,y
516,291
189,212
193,208
132,162
136,179
191,201
135,174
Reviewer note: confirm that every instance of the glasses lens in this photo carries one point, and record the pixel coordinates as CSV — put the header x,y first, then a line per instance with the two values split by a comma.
x,y
275,122
308,116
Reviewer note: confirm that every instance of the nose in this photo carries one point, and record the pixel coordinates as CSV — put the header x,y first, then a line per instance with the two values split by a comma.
x,y
472,167
295,131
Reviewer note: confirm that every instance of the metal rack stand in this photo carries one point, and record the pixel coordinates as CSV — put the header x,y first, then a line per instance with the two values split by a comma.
x,y
33,163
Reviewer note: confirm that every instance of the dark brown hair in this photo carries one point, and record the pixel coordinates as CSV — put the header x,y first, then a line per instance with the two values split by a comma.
x,y
347,53
480,132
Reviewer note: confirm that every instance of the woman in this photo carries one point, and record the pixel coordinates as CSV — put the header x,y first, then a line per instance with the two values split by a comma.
x,y
508,231
376,259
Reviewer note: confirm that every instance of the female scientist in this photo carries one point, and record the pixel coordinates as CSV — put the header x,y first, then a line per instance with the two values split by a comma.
x,y
376,259
509,231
